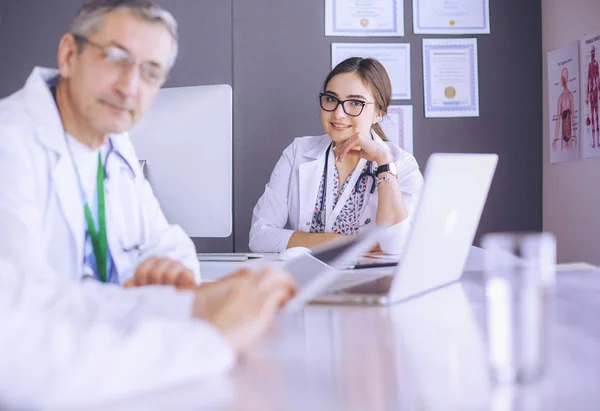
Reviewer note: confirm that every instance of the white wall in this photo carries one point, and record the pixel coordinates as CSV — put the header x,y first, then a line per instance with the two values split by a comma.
x,y
571,194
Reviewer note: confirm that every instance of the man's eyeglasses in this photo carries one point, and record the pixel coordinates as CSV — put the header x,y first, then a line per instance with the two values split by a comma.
x,y
351,107
121,59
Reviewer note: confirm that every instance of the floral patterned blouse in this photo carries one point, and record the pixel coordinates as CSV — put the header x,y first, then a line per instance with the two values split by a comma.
x,y
347,221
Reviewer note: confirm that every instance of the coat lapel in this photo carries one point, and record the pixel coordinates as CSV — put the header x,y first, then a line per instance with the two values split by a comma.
x,y
309,176
51,135
68,192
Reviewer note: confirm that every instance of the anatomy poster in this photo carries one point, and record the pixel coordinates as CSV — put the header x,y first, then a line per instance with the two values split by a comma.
x,y
589,46
563,95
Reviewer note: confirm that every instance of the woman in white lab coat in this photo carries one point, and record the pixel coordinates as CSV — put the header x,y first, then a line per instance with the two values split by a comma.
x,y
345,181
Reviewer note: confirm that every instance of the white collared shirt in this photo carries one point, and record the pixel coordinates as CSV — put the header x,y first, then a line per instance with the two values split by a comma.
x,y
86,161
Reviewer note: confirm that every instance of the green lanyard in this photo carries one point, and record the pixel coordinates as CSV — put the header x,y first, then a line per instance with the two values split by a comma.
x,y
99,242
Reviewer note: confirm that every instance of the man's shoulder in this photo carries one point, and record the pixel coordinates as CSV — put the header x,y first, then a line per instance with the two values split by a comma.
x,y
13,110
16,126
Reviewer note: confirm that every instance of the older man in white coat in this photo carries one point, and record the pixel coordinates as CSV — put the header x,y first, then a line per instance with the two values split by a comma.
x,y
74,203
82,344
73,199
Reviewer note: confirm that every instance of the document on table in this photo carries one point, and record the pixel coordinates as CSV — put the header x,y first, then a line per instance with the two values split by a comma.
x,y
451,16
395,57
364,18
450,77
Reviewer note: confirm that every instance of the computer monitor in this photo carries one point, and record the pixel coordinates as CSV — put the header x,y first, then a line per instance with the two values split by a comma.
x,y
185,139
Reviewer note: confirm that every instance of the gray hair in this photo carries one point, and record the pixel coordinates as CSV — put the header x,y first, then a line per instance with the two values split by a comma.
x,y
90,17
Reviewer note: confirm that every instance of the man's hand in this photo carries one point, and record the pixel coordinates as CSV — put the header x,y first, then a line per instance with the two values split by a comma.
x,y
211,295
243,305
162,271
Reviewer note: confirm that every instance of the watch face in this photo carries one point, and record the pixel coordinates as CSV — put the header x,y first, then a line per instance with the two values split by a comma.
x,y
393,168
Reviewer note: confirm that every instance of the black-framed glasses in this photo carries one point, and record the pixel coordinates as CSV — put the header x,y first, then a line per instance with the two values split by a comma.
x,y
352,107
120,59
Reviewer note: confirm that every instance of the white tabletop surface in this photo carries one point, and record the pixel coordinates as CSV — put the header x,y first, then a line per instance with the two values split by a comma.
x,y
211,270
427,353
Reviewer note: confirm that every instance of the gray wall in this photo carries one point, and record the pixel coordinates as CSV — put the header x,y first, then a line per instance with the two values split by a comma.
x,y
281,57
275,55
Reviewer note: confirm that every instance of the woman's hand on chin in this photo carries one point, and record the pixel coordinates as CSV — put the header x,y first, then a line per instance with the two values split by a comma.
x,y
362,145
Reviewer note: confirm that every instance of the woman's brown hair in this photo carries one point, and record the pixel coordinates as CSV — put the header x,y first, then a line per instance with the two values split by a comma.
x,y
374,76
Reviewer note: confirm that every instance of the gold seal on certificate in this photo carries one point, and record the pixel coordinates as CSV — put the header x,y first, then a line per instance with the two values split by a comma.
x,y
452,22
450,92
364,22
450,71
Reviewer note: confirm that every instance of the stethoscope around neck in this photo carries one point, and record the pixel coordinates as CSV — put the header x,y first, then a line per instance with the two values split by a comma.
x,y
111,150
111,147
368,173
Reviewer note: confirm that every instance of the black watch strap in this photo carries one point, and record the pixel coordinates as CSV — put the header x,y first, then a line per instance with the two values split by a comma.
x,y
384,168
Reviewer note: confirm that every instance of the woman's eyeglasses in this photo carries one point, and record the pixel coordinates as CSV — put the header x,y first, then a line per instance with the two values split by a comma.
x,y
351,107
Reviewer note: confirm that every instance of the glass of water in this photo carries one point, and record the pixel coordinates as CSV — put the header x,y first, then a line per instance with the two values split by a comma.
x,y
519,279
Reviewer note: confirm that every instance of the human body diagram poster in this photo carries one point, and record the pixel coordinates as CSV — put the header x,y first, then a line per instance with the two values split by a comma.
x,y
589,46
563,95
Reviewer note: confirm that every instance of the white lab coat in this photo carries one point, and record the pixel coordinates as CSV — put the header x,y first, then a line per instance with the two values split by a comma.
x,y
42,226
79,344
288,202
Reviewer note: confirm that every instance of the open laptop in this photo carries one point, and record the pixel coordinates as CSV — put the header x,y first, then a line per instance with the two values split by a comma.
x,y
455,191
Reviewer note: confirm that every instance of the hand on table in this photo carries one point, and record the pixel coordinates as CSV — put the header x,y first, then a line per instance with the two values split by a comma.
x,y
162,271
243,305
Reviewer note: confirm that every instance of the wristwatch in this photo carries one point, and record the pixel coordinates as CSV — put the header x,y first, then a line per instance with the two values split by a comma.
x,y
387,168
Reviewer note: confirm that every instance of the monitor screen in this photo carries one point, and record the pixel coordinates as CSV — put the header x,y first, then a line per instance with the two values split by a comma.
x,y
185,140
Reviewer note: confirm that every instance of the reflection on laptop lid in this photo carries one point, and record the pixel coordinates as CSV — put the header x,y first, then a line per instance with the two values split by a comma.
x,y
453,198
